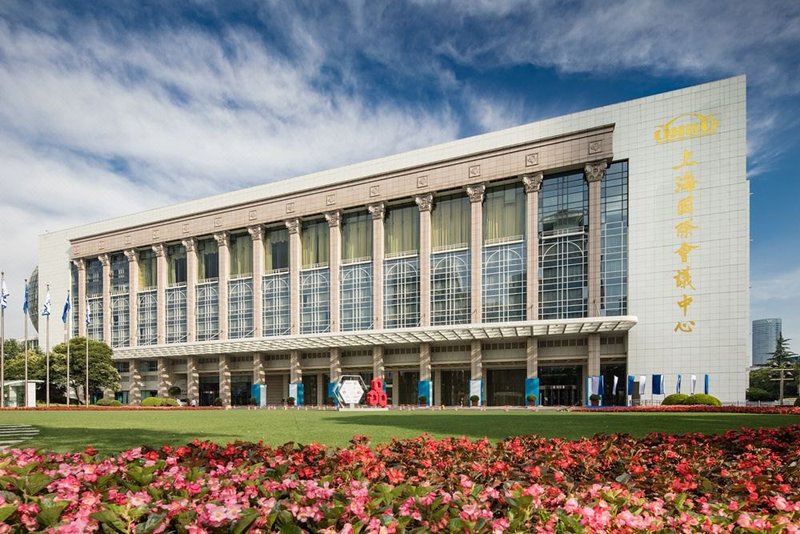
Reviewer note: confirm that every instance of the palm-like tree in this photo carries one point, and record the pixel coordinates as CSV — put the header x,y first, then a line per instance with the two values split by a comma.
x,y
782,360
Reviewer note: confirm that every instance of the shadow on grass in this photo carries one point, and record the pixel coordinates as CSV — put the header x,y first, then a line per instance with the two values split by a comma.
x,y
106,440
498,425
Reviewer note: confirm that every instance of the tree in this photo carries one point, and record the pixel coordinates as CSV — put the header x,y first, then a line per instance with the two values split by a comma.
x,y
102,373
782,361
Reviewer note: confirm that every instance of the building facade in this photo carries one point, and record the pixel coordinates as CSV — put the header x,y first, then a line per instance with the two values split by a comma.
x,y
610,243
765,339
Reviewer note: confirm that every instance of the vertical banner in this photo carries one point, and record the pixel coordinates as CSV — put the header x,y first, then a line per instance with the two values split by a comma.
x,y
694,383
614,389
332,393
476,390
658,385
642,385
631,381
424,390
532,388
296,391
678,385
705,386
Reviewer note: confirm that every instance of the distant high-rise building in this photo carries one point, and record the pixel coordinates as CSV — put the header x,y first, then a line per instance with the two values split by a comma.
x,y
765,337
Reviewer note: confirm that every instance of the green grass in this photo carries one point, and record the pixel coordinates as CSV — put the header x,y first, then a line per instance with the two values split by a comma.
x,y
114,431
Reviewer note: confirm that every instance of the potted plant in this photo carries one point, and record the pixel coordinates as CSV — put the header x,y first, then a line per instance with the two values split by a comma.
x,y
594,399
290,401
423,400
531,398
174,392
474,400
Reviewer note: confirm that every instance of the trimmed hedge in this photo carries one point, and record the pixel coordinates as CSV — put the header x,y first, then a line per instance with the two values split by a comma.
x,y
675,398
108,402
158,401
701,398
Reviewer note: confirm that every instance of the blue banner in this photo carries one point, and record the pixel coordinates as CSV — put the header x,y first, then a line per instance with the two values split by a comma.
x,y
424,389
678,385
658,384
631,382
705,389
532,388
332,393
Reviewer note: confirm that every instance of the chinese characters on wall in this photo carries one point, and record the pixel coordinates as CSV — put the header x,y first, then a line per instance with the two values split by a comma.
x,y
685,174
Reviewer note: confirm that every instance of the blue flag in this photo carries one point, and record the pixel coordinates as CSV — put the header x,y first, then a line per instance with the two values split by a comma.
x,y
658,384
25,304
705,388
46,308
678,385
65,313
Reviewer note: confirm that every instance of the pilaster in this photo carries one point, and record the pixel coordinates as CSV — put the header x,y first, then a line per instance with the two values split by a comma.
x,y
335,261
378,368
257,234
295,258
192,380
225,379
594,176
475,193
224,275
336,364
191,292
594,354
532,357
81,296
377,211
105,261
424,361
425,204
133,296
135,393
165,379
295,369
533,185
476,360
259,371
161,293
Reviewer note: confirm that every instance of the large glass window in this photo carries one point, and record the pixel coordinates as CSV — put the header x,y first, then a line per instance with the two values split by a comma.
x,y
401,231
207,259
315,301
176,265
95,329
147,269
94,278
240,308
356,296
120,321
146,318
315,239
563,216
240,247
614,248
276,304
504,282
504,214
119,274
356,237
276,250
450,297
176,314
401,292
207,314
450,223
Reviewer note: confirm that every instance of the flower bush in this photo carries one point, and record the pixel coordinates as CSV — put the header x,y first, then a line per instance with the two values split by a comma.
x,y
745,480
777,410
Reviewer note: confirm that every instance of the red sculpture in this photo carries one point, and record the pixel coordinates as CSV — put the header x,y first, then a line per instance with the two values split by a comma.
x,y
376,396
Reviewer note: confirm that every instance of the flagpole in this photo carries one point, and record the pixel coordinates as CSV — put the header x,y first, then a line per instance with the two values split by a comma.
x,y
67,335
25,321
87,367
47,356
3,341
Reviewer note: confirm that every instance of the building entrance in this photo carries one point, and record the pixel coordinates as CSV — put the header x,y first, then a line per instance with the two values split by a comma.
x,y
454,387
409,383
209,389
505,387
241,386
560,386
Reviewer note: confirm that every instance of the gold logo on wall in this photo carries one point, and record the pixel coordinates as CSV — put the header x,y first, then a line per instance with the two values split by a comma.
x,y
686,126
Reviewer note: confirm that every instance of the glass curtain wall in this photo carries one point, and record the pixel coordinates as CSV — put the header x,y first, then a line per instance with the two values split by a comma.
x,y
401,267
120,303
176,294
275,283
450,261
207,302
315,278
504,254
356,272
563,246
146,308
240,287
94,298
614,238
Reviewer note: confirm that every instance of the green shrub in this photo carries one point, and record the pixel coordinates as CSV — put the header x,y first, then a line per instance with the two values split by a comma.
x,y
174,391
108,402
701,398
797,401
758,394
169,402
217,402
675,398
151,402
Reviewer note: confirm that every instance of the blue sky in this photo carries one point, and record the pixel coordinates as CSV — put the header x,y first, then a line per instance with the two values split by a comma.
x,y
138,104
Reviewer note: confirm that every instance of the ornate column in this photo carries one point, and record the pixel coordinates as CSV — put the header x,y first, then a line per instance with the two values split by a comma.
x,y
259,371
425,384
192,380
81,296
377,211
475,193
594,355
191,292
425,203
594,175
105,261
476,367
532,184
334,262
225,379
295,259
224,275
165,380
135,393
532,357
295,376
378,368
336,363
161,293
257,234
133,296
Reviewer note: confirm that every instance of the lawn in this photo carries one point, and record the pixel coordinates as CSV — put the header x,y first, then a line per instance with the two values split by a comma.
x,y
118,430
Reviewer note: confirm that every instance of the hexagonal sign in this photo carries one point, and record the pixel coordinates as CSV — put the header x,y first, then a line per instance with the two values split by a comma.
x,y
351,392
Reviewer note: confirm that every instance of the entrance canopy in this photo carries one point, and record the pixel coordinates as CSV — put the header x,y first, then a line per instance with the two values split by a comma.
x,y
395,336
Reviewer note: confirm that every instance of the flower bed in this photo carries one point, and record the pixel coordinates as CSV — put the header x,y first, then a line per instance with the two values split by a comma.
x,y
779,410
94,407
748,480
